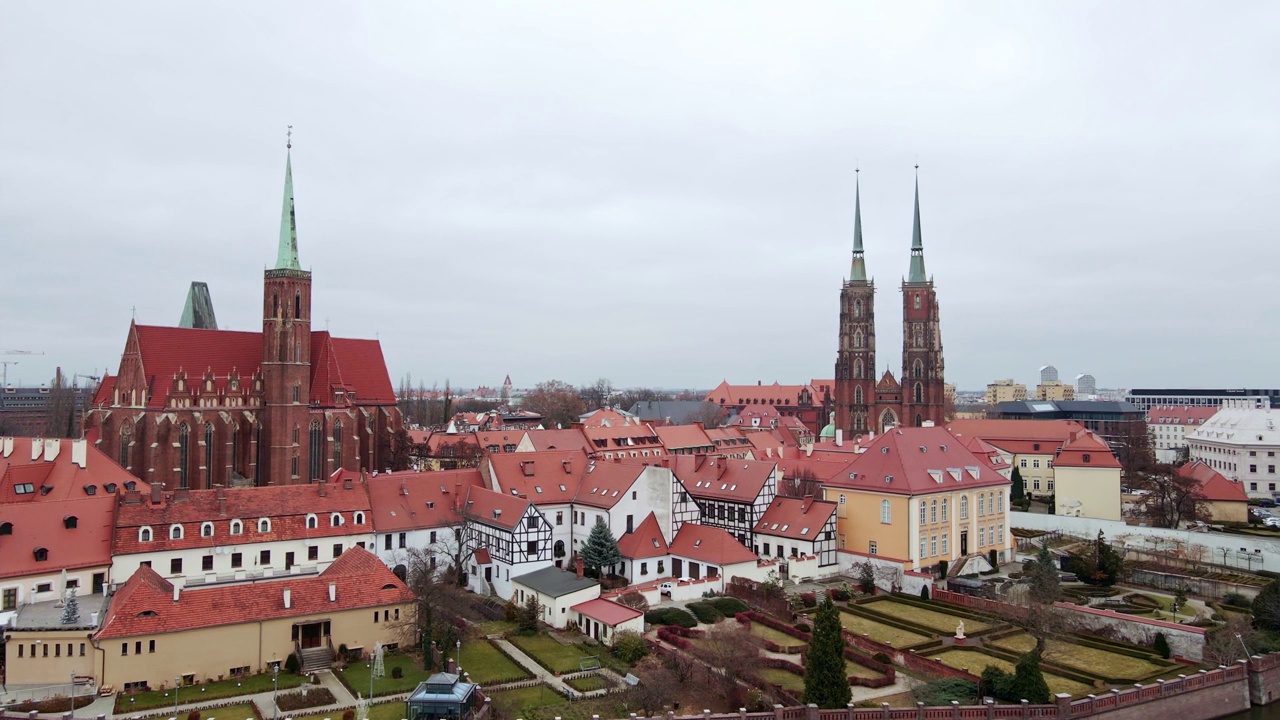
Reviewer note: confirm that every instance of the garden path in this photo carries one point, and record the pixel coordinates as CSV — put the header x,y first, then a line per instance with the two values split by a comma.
x,y
532,666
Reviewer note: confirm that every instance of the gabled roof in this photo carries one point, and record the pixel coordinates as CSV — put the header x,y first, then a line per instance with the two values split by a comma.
x,y
796,518
888,383
495,509
1019,436
683,436
607,482
715,477
1213,485
822,469
918,461
414,500
646,541
546,478
709,545
607,417
44,525
1085,449
144,605
1179,414
607,611
570,439
678,412
626,437
500,439
70,469
554,582
760,394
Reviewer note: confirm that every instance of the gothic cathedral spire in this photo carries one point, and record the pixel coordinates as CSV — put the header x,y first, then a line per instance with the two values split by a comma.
x,y
917,246
287,254
858,270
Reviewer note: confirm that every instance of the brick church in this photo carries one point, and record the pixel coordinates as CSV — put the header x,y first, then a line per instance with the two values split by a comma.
x,y
864,404
195,408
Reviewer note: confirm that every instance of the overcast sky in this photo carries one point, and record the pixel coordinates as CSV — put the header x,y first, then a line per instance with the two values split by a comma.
x,y
660,194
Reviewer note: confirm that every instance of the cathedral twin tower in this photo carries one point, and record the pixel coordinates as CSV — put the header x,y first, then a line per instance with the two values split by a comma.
x,y
864,404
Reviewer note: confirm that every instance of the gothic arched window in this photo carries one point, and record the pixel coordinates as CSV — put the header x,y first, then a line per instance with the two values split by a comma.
x,y
235,448
857,396
917,301
917,369
208,452
297,304
857,308
857,369
184,439
918,392
275,305
857,339
337,445
315,452
126,437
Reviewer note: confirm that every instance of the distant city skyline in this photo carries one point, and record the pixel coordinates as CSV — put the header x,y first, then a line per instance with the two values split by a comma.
x,y
658,194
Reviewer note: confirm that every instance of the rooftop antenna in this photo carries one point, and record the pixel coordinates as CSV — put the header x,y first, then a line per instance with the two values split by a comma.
x,y
288,138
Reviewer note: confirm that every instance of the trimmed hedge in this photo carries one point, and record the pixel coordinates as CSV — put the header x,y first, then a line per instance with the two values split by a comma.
x,y
729,606
705,612
670,616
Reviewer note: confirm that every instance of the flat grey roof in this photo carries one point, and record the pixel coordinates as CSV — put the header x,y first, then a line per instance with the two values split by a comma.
x,y
554,582
47,615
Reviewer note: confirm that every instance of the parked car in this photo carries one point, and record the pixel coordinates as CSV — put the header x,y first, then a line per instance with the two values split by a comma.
x,y
1272,521
665,588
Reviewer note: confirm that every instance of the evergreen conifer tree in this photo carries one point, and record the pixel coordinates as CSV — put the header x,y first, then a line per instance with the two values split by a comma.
x,y
71,611
601,549
1028,681
825,682
1016,489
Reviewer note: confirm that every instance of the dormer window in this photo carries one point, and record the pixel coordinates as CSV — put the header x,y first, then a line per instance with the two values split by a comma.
x,y
144,534
147,614
69,522
6,528
359,518
264,525
312,522
175,532
42,554
237,527
206,529
335,520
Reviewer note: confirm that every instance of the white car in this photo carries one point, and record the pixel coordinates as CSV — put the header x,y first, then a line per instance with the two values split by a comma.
x,y
665,588
1271,521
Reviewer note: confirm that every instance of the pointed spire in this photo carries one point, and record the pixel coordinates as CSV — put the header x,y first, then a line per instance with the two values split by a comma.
x,y
917,246
287,254
858,269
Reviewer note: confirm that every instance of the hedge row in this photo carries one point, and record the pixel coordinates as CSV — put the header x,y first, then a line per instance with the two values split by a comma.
x,y
670,616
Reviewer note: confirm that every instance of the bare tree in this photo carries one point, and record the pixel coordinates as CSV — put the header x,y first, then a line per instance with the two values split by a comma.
x,y
60,415
597,394
1227,644
724,649
440,605
658,681
1170,500
1132,442
805,482
709,416
626,399
556,401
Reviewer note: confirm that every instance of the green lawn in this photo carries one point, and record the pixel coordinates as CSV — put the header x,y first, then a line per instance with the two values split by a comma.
x,y
975,662
552,654
494,627
788,680
765,632
879,632
1087,659
487,665
853,669
942,622
385,711
232,712
542,703
356,676
203,693
588,683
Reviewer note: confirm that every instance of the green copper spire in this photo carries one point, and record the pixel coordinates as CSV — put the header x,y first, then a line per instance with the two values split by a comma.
x,y
917,247
858,270
287,255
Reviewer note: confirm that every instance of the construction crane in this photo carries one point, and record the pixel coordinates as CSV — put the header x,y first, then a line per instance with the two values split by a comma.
x,y
4,373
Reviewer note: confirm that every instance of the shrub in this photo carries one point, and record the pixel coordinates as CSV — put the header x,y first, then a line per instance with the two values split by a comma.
x,y
881,657
670,616
803,627
313,697
705,612
839,594
193,715
630,646
1236,600
291,665
924,592
1026,682
729,606
944,691
348,714
397,672
510,611
809,599
1161,646
634,600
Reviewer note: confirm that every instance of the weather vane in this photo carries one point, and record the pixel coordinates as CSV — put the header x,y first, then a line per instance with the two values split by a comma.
x,y
288,138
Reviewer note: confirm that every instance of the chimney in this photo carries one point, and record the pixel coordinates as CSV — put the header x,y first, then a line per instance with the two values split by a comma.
x,y
177,591
288,598
333,592
839,437
181,495
808,501
52,447
157,493
577,565
132,497
80,453
321,488
346,484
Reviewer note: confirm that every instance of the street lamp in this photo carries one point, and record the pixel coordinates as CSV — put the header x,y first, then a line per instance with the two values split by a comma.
x,y
370,682
177,682
275,690
73,695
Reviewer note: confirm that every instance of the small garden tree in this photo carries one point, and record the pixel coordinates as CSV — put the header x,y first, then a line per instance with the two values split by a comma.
x,y
71,611
1016,489
825,683
866,577
601,549
1161,646
1266,607
528,616
1026,682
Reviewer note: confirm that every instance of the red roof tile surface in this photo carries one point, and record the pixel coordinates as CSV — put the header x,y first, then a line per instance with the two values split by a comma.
x,y
797,518
571,439
1179,414
709,545
679,437
1214,485
776,394
66,479
495,509
607,611
414,500
543,477
1085,449
144,605
645,541
918,461
720,478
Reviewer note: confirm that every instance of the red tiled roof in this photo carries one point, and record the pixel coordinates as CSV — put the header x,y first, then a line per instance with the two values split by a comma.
x,y
797,518
1179,414
286,506
483,503
919,461
416,500
775,394
1086,449
65,479
1213,485
608,417
606,482
710,545
607,611
645,541
823,470
499,439
42,524
1018,436
622,439
543,477
683,436
354,365
482,556
144,605
719,478
438,440
570,439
